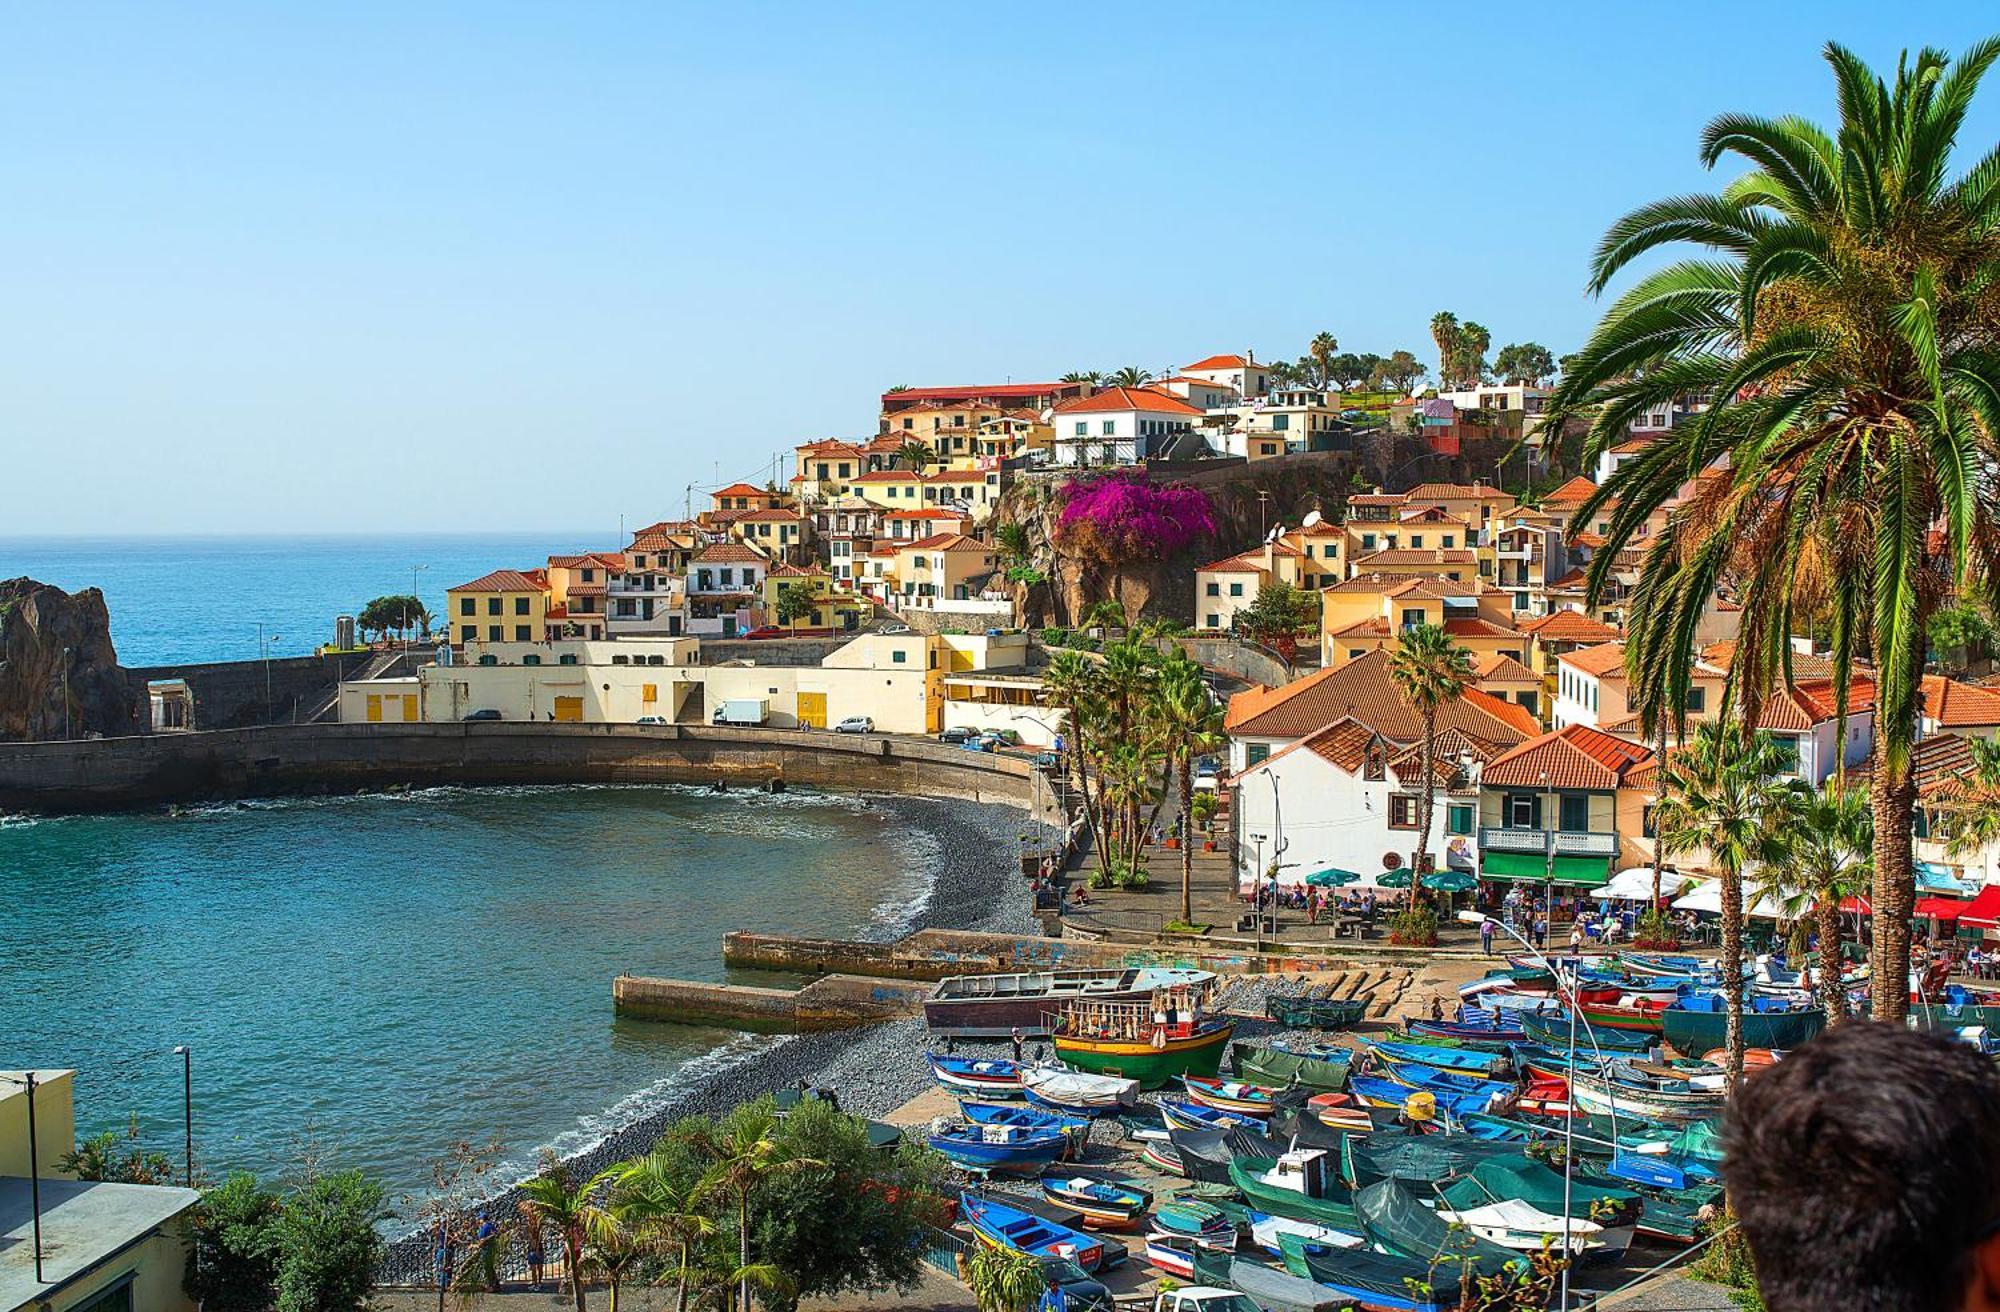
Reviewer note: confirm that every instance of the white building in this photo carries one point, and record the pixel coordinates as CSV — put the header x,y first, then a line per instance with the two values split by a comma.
x,y
1119,425
1240,373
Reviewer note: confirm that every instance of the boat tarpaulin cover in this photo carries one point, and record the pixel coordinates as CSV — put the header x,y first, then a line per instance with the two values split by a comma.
x,y
1396,1218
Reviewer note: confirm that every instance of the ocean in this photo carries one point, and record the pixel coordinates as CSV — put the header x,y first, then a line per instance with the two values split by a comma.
x,y
182,599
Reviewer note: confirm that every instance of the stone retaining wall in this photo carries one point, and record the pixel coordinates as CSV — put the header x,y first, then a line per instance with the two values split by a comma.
x,y
837,1002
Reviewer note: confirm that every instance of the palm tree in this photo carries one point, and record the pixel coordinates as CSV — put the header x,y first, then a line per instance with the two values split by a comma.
x,y
1322,350
1130,376
1722,798
1826,849
1074,683
1843,332
1082,376
746,1153
915,456
1428,669
610,1251
1969,803
555,1199
656,1203
1192,725
1444,331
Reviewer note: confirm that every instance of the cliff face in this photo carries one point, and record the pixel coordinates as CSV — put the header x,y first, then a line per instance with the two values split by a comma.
x,y
46,633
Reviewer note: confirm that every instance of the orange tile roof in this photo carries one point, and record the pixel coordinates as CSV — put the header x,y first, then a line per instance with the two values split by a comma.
x,y
888,476
1472,626
1567,625
1417,556
1800,707
1576,756
1364,689
1243,564
608,559
1378,499
743,490
1457,492
1128,398
928,513
831,446
1500,667
790,571
770,515
946,542
1573,492
1377,627
1956,705
730,553
1588,539
505,580
1221,362
1603,659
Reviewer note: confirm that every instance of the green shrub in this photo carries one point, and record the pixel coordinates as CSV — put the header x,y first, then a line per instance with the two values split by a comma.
x,y
1415,927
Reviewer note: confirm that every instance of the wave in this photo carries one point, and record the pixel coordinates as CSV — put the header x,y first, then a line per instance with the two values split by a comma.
x,y
442,794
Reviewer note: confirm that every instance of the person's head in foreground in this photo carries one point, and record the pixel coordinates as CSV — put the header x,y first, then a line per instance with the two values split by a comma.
x,y
1865,1170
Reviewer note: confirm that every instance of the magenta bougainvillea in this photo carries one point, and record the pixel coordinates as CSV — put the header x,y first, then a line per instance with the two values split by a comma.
x,y
1123,519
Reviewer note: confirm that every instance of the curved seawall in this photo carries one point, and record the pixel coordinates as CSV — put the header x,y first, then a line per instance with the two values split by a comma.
x,y
108,773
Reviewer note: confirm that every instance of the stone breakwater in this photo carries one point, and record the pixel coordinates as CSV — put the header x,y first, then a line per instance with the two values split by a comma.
x,y
976,885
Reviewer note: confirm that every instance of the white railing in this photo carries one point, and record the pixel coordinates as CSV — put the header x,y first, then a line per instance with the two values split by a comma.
x,y
1537,840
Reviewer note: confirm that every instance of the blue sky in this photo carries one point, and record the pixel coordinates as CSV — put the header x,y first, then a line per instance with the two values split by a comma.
x,y
365,267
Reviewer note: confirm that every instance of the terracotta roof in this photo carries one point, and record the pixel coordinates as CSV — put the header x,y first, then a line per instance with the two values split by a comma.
x,y
1376,627
1221,362
665,526
1940,763
957,476
1378,499
929,512
1572,580
829,447
1504,668
1243,564
1457,492
1430,587
1128,398
1588,539
1363,688
607,559
888,476
946,542
771,515
1576,756
1567,625
1603,659
790,571
990,389
1472,626
730,553
586,589
1573,492
1800,707
504,580
1722,655
1957,705
743,490
1417,556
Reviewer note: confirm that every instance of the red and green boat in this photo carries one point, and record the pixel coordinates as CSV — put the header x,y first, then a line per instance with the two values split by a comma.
x,y
1642,1017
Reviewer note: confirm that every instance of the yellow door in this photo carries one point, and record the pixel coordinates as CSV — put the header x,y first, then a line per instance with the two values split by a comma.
x,y
569,710
409,708
374,708
812,710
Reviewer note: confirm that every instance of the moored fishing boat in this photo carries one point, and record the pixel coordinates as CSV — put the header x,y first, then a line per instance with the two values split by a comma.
x,y
1315,1013
1007,1148
1299,1184
1103,1204
1552,1028
1078,1092
1641,1017
1465,1061
1489,1030
1161,1154
1369,1281
1340,1111
1202,1222
1188,1115
1524,1227
1151,1042
996,1006
1000,1225
1230,1095
1278,1067
1656,1100
983,1077
1171,1253
1515,979
1274,1233
1698,1023
1028,1118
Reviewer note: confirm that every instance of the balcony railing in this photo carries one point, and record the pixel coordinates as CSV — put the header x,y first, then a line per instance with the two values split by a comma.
x,y
1537,840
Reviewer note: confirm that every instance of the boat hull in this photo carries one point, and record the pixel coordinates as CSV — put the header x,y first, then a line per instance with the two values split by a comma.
x,y
1141,1061
998,1006
1696,1032
1278,1069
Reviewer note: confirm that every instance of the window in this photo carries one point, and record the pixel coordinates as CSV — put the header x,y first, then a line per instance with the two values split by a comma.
x,y
1214,621
1575,817
520,605
899,657
1214,589
493,605
1279,423
1786,746
1110,427
531,658
1256,753
493,632
1529,702
467,632
522,634
1082,428
1236,589
1368,542
1458,818
1450,541
1524,811
1697,700
467,606
1416,540
1402,811
1413,619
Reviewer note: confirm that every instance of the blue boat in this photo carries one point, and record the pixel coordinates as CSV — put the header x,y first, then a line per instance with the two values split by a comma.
x,y
985,1077
1000,1226
1552,1028
1027,1118
1387,1093
1419,1076
1474,1025
1465,1061
1000,1147
1186,1115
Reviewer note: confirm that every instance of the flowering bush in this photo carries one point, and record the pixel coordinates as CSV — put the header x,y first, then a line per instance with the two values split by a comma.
x,y
1123,519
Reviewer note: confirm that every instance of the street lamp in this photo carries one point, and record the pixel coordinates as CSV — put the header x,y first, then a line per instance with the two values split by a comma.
x,y
264,647
187,1104
1553,819
34,1175
1257,890
1567,984
66,723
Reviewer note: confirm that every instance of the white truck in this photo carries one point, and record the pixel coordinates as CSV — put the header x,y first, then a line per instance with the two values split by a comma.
x,y
744,710
1203,1298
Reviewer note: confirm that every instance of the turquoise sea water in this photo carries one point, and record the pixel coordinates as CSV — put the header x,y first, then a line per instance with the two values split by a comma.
x,y
201,598
389,973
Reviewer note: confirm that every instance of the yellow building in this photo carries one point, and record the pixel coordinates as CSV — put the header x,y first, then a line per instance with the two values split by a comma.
x,y
828,469
833,608
779,532
945,567
577,588
103,1246
974,490
1369,611
1015,433
504,606
1308,558
748,496
892,489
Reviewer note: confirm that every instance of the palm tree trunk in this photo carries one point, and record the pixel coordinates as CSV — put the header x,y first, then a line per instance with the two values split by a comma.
x,y
681,1295
1659,792
573,1254
1826,911
743,1247
1732,969
1187,836
1892,793
1420,861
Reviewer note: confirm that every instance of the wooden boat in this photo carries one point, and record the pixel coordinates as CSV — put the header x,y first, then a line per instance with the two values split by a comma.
x,y
1653,1100
1754,1059
1380,1091
1201,1222
1460,1031
1299,1184
1370,1281
1279,1067
997,1006
1151,1042
1507,1179
1465,1061
1299,1013
1691,970
1230,1095
1640,1018
1171,1253
983,1077
1007,1148
1524,1227
1103,1204
1161,1154
1698,1023
1186,1115
1515,979
1340,1111
996,1224
1552,1028
1028,1118
1077,1092
1274,1234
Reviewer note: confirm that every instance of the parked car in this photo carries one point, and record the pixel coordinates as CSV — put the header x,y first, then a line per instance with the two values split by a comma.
x,y
483,713
1005,737
958,734
651,719
980,743
1081,1291
855,724
1207,773
893,630
1047,760
765,631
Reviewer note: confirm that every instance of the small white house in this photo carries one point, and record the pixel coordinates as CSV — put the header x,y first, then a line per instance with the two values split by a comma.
x,y
1119,425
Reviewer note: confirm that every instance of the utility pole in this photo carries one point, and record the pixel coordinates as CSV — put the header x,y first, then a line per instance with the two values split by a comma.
x,y
34,1177
66,717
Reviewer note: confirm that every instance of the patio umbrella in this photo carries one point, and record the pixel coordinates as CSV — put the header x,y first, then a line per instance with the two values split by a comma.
x,y
1331,877
1450,881
1397,878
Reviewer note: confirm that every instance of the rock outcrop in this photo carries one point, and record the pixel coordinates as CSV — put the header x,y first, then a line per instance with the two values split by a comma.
x,y
56,645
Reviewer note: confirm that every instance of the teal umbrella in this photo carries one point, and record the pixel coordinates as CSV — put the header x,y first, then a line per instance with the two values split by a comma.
x,y
1331,877
1450,881
1397,878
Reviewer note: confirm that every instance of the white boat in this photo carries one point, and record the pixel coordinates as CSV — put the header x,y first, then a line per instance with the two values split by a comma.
x,y
1514,1224
1078,1091
1266,1231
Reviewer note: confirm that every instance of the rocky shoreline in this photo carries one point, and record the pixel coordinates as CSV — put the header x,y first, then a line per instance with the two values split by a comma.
x,y
975,885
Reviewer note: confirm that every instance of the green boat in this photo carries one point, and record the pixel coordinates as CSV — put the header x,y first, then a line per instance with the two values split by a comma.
x,y
1315,1013
1279,1069
1331,1210
1934,1016
1701,1024
1395,1219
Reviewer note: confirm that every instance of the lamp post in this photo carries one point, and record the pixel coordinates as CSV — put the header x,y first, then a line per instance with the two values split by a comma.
x,y
1566,984
1553,819
1257,891
66,720
264,647
34,1176
187,1105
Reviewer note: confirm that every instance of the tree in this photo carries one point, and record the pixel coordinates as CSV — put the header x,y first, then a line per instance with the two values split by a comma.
x,y
1400,371
1192,725
1428,669
797,601
1446,333
1012,540
1826,849
1350,369
1082,376
1469,363
1277,617
1723,799
448,1210
557,1199
1073,683
1003,1280
118,1159
899,387
1968,805
1844,328
1524,362
746,1153
655,1203
915,456
328,1243
1954,632
1130,376
1321,352
233,1254
1280,374
1121,520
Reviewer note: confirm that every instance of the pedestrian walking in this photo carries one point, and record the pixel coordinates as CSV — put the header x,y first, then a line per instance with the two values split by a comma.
x,y
1018,1036
1486,936
1541,930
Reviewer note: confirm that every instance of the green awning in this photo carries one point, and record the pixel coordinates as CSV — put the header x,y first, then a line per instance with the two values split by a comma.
x,y
1581,871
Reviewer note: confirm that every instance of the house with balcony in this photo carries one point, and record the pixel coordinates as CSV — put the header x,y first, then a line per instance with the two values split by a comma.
x,y
578,587
971,489
646,597
748,496
779,533
827,469
723,586
1559,632
1241,374
940,570
1119,426
1370,612
1569,805
891,489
